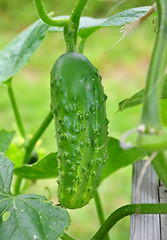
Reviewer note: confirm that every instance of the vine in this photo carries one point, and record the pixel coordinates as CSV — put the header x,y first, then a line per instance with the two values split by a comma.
x,y
152,138
46,19
70,25
159,208
15,109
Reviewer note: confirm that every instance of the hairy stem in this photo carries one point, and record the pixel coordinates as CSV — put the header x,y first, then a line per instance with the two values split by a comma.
x,y
69,38
15,109
78,10
71,30
126,211
100,211
30,146
76,15
46,19
81,45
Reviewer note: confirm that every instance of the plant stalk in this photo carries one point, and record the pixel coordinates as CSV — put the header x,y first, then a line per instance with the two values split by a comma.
x,y
30,146
15,109
46,19
71,30
159,208
77,11
76,15
100,211
81,45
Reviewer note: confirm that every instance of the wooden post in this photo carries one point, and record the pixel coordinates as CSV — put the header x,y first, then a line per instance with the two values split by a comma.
x,y
163,218
148,227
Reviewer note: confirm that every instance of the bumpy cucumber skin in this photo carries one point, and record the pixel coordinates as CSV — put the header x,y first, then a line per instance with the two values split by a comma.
x,y
79,106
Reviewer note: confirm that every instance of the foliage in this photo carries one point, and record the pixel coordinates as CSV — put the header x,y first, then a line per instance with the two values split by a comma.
x,y
28,216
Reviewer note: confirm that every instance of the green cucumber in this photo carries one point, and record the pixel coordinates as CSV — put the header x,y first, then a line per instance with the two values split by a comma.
x,y
79,106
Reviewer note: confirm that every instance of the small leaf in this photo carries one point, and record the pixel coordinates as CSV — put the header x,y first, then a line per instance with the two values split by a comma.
x,y
15,55
5,139
46,167
89,25
118,157
30,216
137,98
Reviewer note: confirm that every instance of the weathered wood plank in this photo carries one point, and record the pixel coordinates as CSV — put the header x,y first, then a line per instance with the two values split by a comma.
x,y
145,227
163,218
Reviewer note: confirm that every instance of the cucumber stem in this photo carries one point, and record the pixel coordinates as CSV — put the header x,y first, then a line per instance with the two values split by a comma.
x,y
76,15
77,11
81,45
30,146
70,25
15,109
100,211
71,30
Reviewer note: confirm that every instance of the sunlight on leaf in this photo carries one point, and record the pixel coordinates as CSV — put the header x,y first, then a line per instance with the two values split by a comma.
x,y
18,52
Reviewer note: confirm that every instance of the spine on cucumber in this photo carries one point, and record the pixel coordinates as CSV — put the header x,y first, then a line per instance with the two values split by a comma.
x,y
79,106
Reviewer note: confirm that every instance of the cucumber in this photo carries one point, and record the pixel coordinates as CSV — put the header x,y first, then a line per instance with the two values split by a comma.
x,y
78,103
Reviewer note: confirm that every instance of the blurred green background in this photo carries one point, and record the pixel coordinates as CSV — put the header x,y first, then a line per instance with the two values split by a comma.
x,y
124,70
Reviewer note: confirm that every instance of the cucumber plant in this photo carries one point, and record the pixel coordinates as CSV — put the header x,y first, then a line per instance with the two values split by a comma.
x,y
86,154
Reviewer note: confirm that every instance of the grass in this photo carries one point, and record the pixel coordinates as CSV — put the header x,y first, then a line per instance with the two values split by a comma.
x,y
124,71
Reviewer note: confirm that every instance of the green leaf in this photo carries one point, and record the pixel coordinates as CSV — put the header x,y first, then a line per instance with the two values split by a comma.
x,y
27,216
15,55
119,157
46,167
16,153
89,25
137,98
5,139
